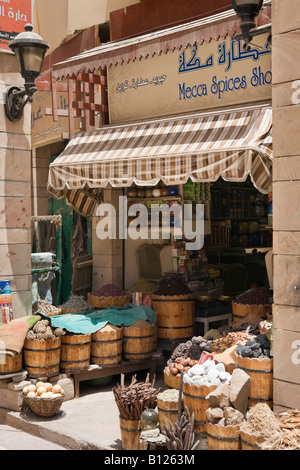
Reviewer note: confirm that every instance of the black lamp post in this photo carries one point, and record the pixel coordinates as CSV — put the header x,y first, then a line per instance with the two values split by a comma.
x,y
247,10
30,50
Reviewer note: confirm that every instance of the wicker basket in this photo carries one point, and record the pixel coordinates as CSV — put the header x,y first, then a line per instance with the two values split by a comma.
x,y
45,407
106,302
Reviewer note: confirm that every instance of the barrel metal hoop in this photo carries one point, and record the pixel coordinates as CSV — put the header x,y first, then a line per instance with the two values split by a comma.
x,y
41,367
137,337
226,439
106,341
249,444
167,411
76,362
130,430
105,357
75,344
175,327
256,371
193,396
42,350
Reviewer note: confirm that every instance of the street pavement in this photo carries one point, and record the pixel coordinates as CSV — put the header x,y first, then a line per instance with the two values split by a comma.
x,y
90,422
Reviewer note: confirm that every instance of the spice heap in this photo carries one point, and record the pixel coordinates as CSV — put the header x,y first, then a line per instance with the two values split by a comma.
x,y
249,325
261,421
42,330
207,374
289,437
231,339
256,296
256,348
170,394
171,286
192,348
134,399
42,306
180,364
143,285
76,302
109,290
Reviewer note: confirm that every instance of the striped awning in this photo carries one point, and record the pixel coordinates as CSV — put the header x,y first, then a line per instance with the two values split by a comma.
x,y
203,147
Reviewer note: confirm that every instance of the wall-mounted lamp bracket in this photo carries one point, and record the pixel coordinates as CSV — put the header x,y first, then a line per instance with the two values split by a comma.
x,y
16,100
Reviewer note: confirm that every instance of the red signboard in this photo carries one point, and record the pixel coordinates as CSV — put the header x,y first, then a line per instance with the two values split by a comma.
x,y
14,15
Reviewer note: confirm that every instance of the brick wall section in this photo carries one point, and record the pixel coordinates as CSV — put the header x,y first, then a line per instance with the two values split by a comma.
x,y
15,195
286,202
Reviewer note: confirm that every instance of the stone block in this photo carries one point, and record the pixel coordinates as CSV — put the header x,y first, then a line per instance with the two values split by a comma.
x,y
10,399
285,19
286,205
233,417
286,280
286,317
213,415
285,63
219,397
287,356
286,168
239,390
286,243
285,125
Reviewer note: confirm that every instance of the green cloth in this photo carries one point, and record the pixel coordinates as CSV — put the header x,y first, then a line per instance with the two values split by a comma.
x,y
91,321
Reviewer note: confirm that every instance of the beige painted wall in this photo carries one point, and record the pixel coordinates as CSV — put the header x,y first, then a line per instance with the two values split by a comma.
x,y
58,19
286,202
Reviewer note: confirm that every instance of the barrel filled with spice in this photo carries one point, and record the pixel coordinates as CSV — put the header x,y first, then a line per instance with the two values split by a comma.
x,y
138,340
252,302
223,437
75,352
167,406
194,398
106,349
42,357
261,374
174,304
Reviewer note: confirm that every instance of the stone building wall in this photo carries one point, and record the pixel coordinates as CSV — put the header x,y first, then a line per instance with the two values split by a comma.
x,y
15,195
286,201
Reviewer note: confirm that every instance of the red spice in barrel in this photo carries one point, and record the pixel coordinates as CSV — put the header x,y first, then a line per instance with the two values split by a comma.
x,y
256,296
109,290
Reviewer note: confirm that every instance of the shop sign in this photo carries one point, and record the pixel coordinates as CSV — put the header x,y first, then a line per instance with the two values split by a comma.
x,y
44,130
204,76
14,15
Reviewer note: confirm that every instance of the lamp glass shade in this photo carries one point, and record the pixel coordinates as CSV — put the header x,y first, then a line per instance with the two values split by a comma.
x,y
247,2
33,58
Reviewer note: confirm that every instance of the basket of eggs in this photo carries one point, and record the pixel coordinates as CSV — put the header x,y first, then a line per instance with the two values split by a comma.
x,y
43,399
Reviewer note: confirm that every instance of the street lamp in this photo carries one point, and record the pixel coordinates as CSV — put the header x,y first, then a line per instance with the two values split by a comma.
x,y
247,10
30,50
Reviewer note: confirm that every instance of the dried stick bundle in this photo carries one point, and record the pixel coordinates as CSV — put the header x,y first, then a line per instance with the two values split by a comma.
x,y
134,399
181,435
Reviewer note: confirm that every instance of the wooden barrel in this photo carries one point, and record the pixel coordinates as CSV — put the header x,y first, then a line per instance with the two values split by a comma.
x,y
130,433
194,399
261,373
251,441
167,412
138,341
175,315
9,364
107,346
241,311
42,357
75,352
223,437
171,381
